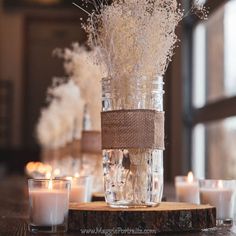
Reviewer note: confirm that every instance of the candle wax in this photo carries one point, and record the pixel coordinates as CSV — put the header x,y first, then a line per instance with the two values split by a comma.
x,y
221,198
187,192
49,206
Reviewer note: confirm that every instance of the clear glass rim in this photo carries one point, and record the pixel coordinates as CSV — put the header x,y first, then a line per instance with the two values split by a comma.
x,y
183,178
73,177
48,180
156,79
217,180
216,183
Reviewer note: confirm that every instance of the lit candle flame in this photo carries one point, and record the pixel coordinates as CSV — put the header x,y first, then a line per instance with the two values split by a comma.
x,y
190,177
69,178
76,175
50,184
48,175
220,184
37,169
56,172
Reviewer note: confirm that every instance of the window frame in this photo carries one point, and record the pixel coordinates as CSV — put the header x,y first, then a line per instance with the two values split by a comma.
x,y
213,111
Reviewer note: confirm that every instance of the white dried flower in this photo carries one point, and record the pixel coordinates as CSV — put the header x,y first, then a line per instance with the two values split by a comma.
x,y
81,66
62,120
199,9
136,37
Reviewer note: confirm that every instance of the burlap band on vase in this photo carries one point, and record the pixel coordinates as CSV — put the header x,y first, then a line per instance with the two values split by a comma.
x,y
139,128
91,142
76,147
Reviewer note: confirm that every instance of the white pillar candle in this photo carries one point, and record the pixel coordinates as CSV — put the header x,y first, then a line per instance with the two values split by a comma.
x,y
49,206
220,197
187,189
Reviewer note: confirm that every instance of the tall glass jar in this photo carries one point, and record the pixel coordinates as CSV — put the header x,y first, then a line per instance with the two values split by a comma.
x,y
133,177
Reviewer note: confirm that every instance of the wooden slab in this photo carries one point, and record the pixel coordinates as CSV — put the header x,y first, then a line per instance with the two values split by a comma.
x,y
167,217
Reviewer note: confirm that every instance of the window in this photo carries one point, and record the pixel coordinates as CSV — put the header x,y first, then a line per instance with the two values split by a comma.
x,y
213,106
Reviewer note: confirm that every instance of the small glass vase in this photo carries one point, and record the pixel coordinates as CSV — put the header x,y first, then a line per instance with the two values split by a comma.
x,y
133,177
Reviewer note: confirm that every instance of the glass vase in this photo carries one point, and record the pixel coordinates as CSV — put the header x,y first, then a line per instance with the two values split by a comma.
x,y
92,159
133,177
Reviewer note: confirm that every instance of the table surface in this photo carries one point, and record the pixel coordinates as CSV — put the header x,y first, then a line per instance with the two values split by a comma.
x,y
14,211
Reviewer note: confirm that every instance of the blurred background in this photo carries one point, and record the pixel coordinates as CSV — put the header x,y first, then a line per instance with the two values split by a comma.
x,y
200,84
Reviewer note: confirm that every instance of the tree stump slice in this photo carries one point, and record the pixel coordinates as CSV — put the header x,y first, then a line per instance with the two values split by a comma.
x,y
167,217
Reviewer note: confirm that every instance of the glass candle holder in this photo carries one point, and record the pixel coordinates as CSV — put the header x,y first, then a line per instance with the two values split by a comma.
x,y
81,189
219,193
49,205
187,189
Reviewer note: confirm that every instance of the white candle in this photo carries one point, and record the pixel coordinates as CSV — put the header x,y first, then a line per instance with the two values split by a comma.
x,y
79,188
77,194
49,206
187,190
221,198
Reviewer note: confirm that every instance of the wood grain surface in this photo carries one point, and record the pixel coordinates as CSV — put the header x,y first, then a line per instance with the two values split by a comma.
x,y
167,217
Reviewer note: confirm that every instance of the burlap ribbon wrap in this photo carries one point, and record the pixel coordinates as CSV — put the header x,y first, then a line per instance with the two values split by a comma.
x,y
139,128
91,142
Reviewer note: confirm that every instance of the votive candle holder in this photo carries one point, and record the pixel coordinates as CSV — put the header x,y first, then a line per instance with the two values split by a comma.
x,y
48,205
220,194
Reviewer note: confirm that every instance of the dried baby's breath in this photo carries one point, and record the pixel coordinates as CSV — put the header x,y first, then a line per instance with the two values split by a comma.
x,y
137,37
56,125
81,66
200,10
